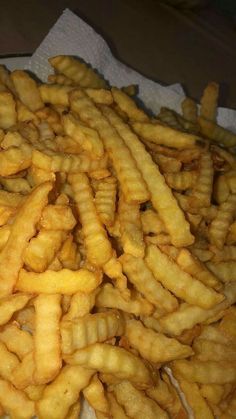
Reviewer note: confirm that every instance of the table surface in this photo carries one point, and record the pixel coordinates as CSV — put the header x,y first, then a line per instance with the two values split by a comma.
x,y
158,41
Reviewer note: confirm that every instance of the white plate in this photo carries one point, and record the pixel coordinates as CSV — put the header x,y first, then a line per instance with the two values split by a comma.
x,y
14,63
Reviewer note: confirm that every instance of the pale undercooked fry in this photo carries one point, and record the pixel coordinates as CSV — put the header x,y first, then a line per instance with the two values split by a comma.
x,y
23,228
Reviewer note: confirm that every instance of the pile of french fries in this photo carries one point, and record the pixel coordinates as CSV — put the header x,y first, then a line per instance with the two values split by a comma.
x,y
117,251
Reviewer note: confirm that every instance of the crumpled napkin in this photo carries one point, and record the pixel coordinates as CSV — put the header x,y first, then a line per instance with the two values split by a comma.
x,y
72,36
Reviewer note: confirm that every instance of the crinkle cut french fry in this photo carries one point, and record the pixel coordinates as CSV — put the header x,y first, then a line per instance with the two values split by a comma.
x,y
142,278
189,109
23,228
64,281
5,79
162,199
179,282
209,100
15,159
167,397
212,392
153,346
188,315
57,217
214,372
206,350
24,114
63,392
100,96
225,271
89,329
95,395
9,362
116,410
69,255
47,354
42,249
151,222
136,403
221,189
27,90
55,94
80,305
60,79
51,161
219,226
181,180
105,199
127,105
23,374
17,185
74,411
164,135
194,267
216,133
169,118
201,194
130,228
165,163
112,297
15,402
86,137
77,71
7,110
195,400
112,360
16,340
97,244
131,181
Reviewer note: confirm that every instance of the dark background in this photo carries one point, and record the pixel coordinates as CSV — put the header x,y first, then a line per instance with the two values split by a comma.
x,y
167,44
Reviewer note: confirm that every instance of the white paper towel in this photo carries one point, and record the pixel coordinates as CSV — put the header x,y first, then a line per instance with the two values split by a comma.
x,y
71,35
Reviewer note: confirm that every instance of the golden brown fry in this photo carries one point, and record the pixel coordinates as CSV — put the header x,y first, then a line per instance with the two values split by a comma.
x,y
194,267
164,135
7,110
105,199
86,137
111,297
216,133
142,278
162,199
60,79
219,226
179,282
130,228
57,217
15,159
201,194
55,94
23,228
112,360
153,346
95,395
27,90
16,340
225,271
98,247
189,109
63,392
132,183
209,100
181,180
77,71
205,372
15,402
116,410
89,329
127,105
64,281
136,403
47,354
